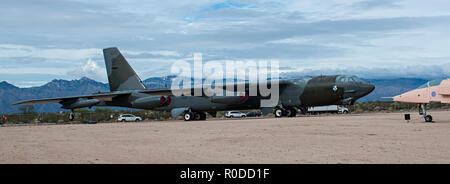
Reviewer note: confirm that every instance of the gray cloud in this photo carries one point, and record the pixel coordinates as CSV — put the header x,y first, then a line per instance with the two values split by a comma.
x,y
381,72
371,4
58,37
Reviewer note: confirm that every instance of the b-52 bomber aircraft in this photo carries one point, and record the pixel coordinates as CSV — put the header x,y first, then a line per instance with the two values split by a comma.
x,y
127,90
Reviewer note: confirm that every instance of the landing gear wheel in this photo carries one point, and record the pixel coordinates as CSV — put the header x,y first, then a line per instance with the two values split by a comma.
x,y
202,116
197,116
287,113
71,116
188,116
278,113
291,112
428,118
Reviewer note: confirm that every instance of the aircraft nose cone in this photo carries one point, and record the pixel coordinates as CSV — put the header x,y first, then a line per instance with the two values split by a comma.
x,y
368,89
397,98
371,88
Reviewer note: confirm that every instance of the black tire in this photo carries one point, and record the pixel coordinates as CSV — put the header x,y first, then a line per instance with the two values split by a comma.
x,y
428,118
71,117
188,116
345,112
203,116
137,120
122,120
278,113
287,113
290,112
197,116
293,112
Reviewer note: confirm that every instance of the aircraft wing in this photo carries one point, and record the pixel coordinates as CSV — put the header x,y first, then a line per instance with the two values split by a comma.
x,y
158,91
104,97
109,96
168,92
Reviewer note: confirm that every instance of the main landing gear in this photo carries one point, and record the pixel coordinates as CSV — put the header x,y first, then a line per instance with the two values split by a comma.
x,y
289,112
190,116
71,115
423,108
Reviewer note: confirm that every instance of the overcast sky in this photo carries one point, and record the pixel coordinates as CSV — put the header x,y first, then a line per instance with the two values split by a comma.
x,y
48,39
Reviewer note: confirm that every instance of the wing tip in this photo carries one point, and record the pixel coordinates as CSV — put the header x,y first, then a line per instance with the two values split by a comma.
x,y
17,103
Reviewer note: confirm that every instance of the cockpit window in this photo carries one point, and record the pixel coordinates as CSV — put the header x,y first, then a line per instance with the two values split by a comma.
x,y
344,78
432,83
435,83
356,79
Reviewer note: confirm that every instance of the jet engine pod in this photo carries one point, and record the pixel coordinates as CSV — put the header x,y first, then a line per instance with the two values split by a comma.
x,y
165,100
151,102
230,100
81,103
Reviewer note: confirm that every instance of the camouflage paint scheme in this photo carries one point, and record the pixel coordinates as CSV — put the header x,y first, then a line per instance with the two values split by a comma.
x,y
127,90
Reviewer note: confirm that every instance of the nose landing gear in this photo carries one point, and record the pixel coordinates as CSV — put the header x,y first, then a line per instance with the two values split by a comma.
x,y
423,108
429,118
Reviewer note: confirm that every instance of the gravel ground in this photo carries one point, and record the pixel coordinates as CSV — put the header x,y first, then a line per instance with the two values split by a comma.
x,y
356,138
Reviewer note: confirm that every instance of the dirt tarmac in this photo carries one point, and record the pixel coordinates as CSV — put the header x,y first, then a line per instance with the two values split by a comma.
x,y
357,138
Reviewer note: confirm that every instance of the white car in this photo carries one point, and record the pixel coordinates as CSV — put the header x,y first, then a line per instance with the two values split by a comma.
x,y
235,114
129,117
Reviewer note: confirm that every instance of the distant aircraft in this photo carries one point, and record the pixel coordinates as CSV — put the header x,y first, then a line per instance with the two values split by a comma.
x,y
127,90
437,91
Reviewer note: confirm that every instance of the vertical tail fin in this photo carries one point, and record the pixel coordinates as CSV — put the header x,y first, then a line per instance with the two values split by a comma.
x,y
121,76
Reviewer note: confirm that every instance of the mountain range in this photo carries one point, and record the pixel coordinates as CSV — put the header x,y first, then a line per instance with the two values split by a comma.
x,y
10,94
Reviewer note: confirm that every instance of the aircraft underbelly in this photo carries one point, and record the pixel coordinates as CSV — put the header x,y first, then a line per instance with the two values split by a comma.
x,y
445,99
204,104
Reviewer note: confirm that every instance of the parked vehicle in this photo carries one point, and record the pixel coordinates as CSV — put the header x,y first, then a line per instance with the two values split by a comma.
x,y
252,114
128,117
89,122
234,114
328,109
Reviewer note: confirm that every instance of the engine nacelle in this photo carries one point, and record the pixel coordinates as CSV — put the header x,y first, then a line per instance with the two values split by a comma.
x,y
151,102
81,103
230,100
